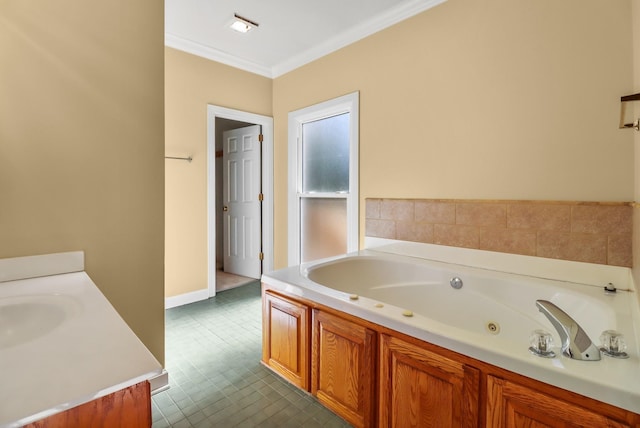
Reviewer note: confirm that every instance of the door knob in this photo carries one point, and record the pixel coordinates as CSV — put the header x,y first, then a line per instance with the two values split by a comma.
x,y
225,208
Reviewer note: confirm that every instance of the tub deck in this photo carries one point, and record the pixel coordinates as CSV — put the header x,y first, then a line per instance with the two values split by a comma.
x,y
381,286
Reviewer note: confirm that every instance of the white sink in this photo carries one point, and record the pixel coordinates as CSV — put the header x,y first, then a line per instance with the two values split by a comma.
x,y
26,318
58,338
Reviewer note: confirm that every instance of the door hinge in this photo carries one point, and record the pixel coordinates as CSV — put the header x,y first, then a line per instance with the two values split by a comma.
x,y
261,197
261,256
261,138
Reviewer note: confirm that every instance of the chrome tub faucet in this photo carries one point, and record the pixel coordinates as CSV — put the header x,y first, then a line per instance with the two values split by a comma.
x,y
575,342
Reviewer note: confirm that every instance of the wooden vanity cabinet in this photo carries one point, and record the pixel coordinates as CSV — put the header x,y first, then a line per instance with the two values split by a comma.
x,y
373,376
285,338
129,407
511,404
343,355
420,388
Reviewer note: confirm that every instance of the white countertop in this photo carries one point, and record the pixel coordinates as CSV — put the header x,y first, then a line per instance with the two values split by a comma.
x,y
86,352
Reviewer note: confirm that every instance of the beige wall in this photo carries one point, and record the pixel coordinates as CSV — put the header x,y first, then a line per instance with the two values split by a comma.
x,y
487,100
636,89
81,145
477,99
191,83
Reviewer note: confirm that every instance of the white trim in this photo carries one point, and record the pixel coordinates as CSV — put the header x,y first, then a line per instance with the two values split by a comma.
x,y
266,122
15,268
345,104
378,23
186,298
405,10
207,52
159,382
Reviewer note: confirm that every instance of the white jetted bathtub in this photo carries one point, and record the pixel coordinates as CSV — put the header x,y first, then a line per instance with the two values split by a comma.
x,y
491,316
496,306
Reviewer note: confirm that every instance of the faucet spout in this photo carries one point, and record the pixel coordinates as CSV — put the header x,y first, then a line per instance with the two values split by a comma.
x,y
575,342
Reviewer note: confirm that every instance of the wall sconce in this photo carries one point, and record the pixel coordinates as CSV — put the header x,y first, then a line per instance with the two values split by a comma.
x,y
624,123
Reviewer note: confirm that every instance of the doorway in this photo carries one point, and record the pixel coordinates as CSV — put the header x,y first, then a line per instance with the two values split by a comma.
x,y
226,228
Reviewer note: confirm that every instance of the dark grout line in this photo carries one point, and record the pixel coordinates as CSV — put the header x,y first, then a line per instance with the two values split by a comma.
x,y
213,351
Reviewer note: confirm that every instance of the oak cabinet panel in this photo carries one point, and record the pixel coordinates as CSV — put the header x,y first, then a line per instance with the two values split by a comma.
x,y
129,407
511,405
419,388
343,367
285,338
373,376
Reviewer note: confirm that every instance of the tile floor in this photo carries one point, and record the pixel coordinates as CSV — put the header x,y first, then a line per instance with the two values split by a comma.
x,y
226,281
213,351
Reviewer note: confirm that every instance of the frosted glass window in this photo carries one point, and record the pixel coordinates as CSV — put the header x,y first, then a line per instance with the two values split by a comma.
x,y
325,155
323,227
323,180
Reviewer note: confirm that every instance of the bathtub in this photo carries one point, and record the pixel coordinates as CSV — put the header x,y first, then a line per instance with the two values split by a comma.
x,y
487,304
491,316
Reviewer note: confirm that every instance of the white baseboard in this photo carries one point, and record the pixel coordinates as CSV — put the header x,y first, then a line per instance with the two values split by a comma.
x,y
159,383
186,298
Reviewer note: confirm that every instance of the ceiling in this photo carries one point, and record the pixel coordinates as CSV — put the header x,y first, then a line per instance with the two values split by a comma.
x,y
290,34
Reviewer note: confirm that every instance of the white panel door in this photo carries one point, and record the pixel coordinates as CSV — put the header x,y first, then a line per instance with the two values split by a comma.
x,y
241,204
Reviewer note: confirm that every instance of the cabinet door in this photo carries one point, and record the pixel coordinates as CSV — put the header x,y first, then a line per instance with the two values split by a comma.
x,y
129,407
511,405
285,338
419,388
343,361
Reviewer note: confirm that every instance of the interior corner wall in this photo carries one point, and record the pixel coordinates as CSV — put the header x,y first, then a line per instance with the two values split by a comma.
x,y
81,145
191,83
477,99
635,16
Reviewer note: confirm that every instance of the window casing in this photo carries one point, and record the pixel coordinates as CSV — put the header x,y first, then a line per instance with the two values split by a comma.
x,y
323,179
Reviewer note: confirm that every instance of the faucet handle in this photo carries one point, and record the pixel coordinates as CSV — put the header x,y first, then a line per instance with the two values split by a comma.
x,y
613,344
541,342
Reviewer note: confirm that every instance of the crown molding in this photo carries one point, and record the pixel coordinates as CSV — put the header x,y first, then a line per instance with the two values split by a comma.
x,y
365,29
195,48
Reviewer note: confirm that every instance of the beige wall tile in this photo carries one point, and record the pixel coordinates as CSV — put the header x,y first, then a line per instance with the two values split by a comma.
x,y
435,212
381,228
581,247
601,232
481,214
620,250
601,219
553,244
538,216
456,235
397,209
508,241
416,232
372,208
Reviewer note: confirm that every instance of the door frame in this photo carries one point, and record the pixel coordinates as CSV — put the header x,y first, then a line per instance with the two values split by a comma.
x,y
213,112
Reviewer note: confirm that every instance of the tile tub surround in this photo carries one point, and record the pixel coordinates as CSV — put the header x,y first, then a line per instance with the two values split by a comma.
x,y
591,232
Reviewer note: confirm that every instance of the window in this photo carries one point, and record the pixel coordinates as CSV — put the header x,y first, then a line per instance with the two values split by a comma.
x,y
323,180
